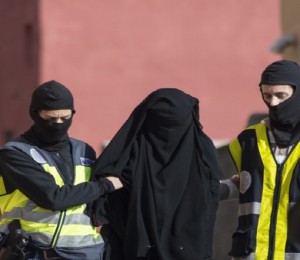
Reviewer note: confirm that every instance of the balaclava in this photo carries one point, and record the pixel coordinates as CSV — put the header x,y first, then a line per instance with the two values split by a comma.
x,y
51,95
284,117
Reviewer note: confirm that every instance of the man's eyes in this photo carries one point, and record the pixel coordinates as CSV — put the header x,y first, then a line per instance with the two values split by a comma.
x,y
282,95
278,95
66,117
54,119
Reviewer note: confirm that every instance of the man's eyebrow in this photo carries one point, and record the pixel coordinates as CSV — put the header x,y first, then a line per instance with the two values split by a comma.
x,y
281,92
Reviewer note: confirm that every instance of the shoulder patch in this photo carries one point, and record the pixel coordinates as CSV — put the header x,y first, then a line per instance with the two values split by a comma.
x,y
245,181
86,161
37,156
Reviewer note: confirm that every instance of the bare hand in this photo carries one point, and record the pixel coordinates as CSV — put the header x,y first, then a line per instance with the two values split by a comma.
x,y
236,180
115,181
98,229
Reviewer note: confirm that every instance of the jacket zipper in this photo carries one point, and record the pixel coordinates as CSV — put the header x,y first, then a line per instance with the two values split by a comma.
x,y
58,228
62,215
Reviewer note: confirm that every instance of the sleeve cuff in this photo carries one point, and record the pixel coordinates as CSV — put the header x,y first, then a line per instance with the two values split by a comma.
x,y
233,190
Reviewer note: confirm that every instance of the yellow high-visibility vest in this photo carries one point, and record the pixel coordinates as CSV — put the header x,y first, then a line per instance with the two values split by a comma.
x,y
64,228
267,191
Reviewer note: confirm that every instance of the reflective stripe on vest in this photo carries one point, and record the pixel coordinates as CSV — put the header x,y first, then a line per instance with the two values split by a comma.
x,y
275,188
288,256
67,228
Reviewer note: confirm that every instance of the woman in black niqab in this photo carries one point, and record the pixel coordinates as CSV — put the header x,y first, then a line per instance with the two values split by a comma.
x,y
170,172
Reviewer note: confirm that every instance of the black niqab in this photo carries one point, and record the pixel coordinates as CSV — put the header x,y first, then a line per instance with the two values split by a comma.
x,y
170,170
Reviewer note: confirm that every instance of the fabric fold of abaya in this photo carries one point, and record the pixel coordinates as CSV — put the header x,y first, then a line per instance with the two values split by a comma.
x,y
169,167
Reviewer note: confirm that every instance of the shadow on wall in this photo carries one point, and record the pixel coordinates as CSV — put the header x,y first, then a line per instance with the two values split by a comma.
x,y
227,214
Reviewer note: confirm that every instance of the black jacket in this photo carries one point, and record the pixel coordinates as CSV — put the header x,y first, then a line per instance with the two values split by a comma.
x,y
19,171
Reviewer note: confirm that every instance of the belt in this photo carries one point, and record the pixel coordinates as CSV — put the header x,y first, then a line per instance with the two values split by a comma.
x,y
51,254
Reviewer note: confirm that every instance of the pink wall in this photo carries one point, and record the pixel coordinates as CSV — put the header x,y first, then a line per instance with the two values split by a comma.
x,y
19,67
111,54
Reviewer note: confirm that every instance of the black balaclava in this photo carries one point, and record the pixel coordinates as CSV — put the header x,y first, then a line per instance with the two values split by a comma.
x,y
284,117
51,95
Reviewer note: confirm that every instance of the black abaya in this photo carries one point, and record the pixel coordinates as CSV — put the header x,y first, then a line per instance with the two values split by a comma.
x,y
169,168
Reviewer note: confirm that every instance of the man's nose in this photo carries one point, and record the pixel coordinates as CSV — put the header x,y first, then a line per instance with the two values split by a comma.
x,y
274,101
58,120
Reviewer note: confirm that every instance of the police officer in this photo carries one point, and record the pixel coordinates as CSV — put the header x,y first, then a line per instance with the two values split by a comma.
x,y
44,182
267,159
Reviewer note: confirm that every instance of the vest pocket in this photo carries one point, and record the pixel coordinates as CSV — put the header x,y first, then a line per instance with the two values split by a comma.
x,y
241,243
